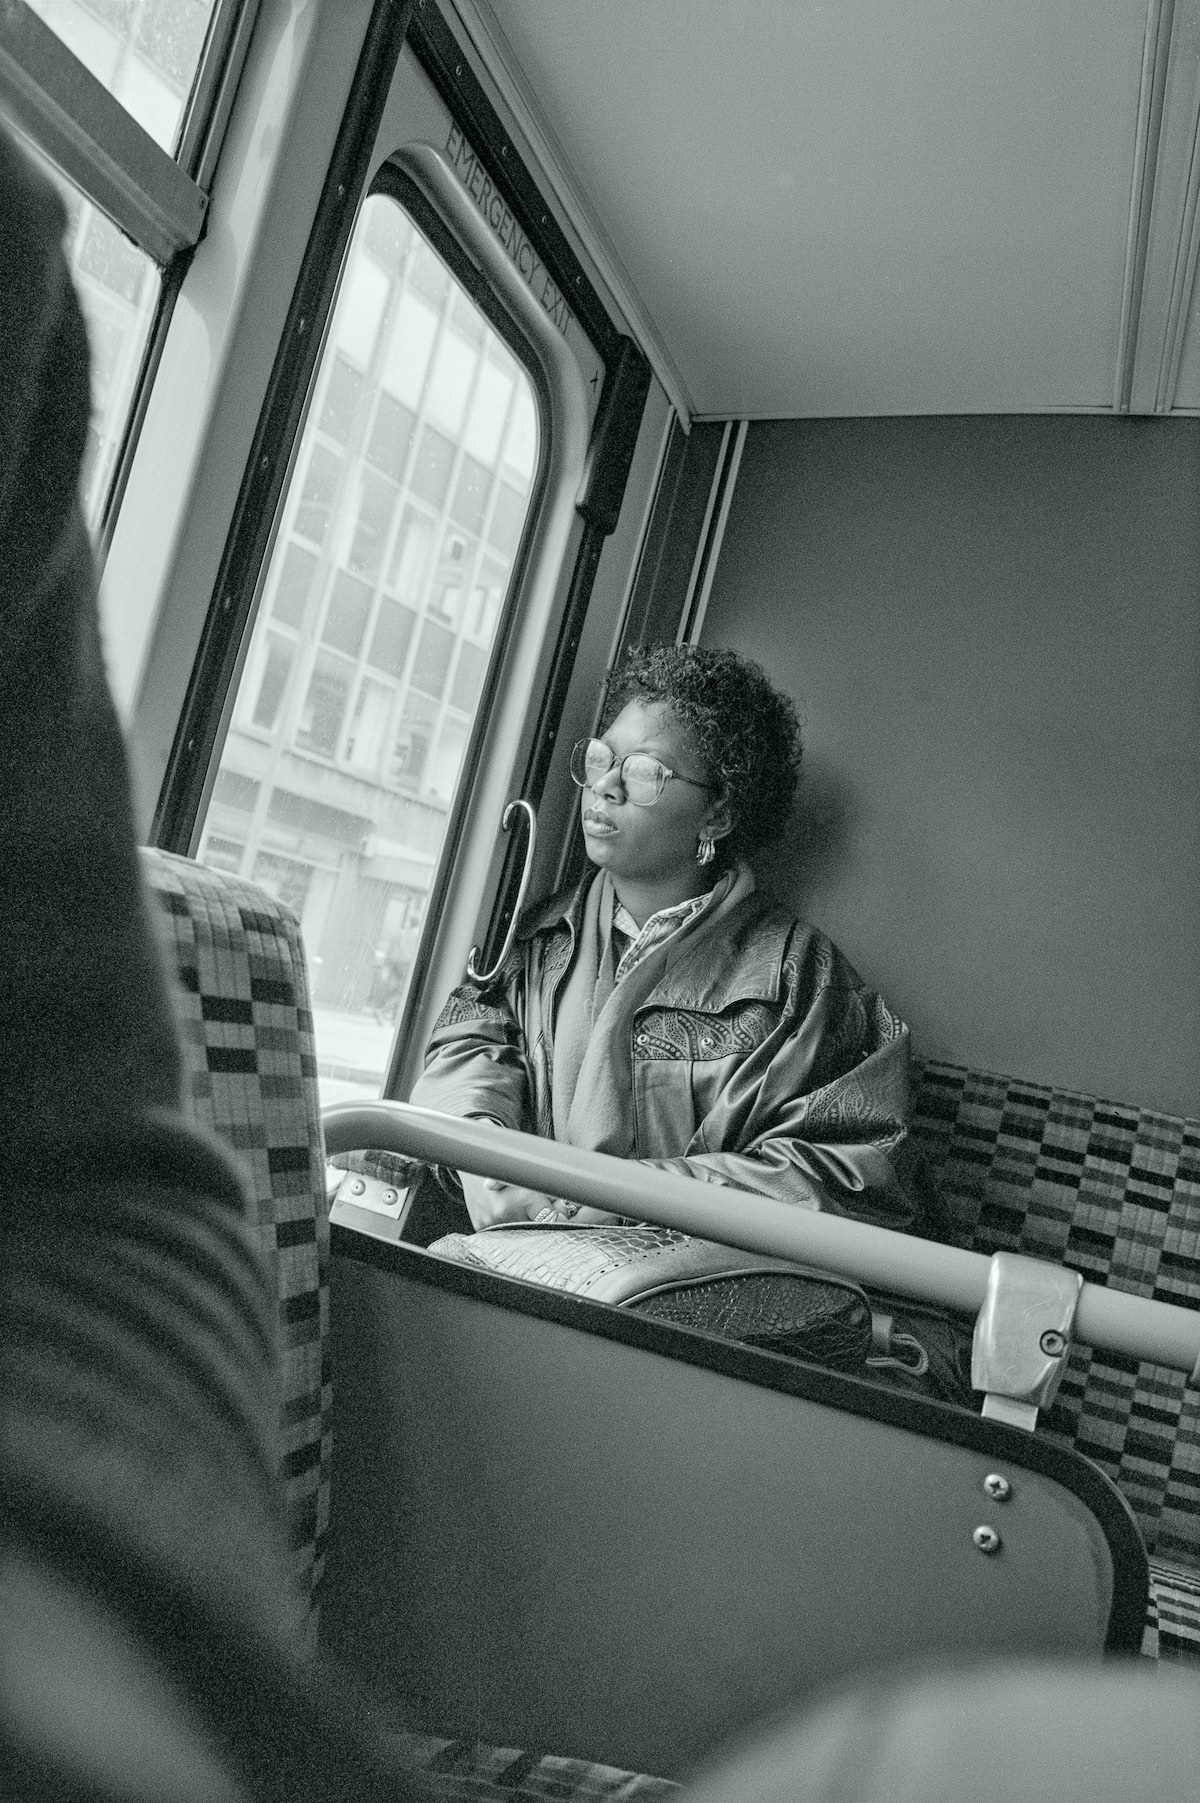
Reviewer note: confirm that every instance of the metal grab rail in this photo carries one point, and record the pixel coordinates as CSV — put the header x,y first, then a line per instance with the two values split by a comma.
x,y
1110,1320
489,976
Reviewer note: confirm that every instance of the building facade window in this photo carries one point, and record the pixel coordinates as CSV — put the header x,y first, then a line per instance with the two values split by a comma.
x,y
378,618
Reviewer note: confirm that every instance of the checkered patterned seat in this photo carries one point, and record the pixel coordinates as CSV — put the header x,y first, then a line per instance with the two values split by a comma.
x,y
1113,1192
250,1075
459,1771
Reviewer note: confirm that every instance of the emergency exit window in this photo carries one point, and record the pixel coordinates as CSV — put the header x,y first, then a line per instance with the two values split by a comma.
x,y
375,629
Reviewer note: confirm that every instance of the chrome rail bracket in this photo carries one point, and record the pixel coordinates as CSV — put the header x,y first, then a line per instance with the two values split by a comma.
x,y
1022,1336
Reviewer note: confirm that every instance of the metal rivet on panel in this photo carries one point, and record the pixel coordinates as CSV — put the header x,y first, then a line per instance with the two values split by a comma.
x,y
1053,1343
390,1197
986,1539
997,1487
358,1187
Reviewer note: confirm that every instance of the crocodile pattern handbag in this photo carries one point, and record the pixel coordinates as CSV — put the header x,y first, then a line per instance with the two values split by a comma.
x,y
694,1283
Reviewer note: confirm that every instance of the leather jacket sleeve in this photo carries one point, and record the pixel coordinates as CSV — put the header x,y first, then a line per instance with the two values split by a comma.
x,y
862,1182
476,1066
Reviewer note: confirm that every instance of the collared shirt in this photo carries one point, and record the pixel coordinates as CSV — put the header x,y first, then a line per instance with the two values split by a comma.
x,y
660,926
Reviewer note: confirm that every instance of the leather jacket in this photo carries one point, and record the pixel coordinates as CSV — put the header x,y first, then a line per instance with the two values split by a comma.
x,y
760,1062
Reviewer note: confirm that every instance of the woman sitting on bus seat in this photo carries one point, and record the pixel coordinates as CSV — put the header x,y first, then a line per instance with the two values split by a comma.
x,y
664,1010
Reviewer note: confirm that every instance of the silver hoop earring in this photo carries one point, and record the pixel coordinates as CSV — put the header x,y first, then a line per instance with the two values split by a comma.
x,y
706,851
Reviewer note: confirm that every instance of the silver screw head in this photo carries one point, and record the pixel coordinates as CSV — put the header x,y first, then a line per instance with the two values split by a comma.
x,y
1053,1343
997,1487
986,1539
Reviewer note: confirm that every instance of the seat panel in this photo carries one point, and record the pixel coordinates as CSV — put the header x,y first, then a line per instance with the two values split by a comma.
x,y
250,1076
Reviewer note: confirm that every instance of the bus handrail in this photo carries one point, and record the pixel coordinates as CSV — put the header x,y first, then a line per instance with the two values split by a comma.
x,y
923,1270
484,977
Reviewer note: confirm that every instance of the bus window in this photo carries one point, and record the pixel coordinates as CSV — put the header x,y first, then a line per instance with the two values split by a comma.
x,y
135,193
119,288
378,615
146,54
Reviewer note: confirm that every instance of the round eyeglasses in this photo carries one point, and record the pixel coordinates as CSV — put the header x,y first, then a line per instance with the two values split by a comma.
x,y
642,777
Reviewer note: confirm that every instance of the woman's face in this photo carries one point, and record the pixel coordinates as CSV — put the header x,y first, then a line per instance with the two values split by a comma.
x,y
657,844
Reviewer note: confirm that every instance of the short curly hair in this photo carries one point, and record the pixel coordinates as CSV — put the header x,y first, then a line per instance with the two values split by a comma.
x,y
745,730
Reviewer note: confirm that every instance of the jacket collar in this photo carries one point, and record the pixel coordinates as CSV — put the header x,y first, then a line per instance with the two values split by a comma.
x,y
565,908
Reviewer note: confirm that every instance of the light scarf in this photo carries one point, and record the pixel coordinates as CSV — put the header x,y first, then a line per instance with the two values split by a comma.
x,y
592,1080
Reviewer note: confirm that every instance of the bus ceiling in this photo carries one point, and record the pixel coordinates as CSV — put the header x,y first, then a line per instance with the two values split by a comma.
x,y
864,209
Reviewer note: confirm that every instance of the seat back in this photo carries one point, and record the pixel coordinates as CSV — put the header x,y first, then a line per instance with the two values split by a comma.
x,y
560,1525
250,1076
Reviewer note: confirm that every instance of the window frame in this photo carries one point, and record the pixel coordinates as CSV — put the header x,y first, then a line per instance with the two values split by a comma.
x,y
600,386
191,763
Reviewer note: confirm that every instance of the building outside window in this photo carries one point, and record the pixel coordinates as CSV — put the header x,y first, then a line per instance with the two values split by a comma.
x,y
377,621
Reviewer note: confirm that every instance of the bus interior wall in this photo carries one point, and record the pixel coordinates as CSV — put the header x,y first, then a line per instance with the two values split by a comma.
x,y
989,626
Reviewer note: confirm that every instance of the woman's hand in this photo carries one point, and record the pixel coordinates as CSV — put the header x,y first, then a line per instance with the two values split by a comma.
x,y
489,1202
